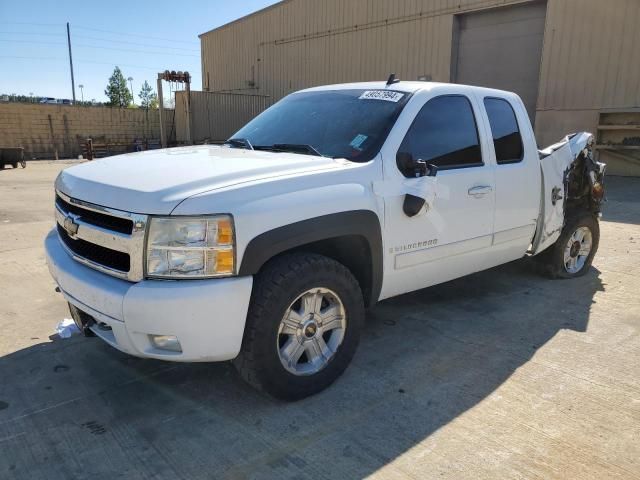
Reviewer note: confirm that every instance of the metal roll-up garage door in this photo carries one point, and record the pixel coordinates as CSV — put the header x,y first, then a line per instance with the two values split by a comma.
x,y
501,48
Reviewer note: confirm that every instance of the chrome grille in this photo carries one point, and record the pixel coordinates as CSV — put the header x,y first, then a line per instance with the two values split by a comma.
x,y
99,219
102,238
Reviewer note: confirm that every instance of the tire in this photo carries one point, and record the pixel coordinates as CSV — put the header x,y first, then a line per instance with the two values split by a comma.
x,y
553,259
23,163
288,285
82,320
14,164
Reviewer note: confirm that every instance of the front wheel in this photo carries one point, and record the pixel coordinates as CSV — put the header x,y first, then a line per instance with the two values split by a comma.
x,y
572,254
303,326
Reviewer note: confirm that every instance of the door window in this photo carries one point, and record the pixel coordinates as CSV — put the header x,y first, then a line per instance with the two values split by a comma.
x,y
507,140
444,133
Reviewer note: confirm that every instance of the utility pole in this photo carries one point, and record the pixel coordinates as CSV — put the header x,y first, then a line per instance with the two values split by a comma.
x,y
187,81
133,97
163,133
73,87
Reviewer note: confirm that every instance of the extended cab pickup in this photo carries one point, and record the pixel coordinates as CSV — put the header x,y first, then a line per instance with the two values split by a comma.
x,y
268,249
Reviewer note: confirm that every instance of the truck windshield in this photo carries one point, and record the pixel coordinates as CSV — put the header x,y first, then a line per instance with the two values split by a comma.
x,y
351,124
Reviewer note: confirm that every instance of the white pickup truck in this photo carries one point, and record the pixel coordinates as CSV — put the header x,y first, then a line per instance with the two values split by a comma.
x,y
268,249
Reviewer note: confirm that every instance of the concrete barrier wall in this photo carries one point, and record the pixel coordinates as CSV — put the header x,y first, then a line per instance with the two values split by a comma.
x,y
43,130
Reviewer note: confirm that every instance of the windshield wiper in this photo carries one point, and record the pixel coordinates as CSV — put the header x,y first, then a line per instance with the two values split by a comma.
x,y
239,142
296,148
278,147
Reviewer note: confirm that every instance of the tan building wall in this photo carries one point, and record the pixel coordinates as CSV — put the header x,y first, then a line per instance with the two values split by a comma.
x,y
590,64
589,58
216,116
44,129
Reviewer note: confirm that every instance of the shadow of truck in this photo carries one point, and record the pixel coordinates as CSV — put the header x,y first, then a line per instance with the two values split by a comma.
x,y
79,409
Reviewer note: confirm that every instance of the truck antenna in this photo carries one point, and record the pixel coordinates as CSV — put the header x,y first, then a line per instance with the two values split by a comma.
x,y
392,79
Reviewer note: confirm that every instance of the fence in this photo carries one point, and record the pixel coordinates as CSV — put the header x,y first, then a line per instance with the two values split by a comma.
x,y
47,131
216,116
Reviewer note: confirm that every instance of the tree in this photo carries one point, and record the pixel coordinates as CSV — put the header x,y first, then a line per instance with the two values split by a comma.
x,y
117,91
148,99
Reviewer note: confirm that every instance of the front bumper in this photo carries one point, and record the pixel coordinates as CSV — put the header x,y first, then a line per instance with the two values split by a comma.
x,y
207,316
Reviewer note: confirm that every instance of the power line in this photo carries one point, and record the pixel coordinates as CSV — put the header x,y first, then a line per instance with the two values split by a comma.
x,y
20,57
123,65
34,33
110,32
86,37
136,51
32,41
33,24
135,35
102,47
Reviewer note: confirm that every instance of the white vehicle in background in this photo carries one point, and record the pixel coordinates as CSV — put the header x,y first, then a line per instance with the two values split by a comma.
x,y
267,250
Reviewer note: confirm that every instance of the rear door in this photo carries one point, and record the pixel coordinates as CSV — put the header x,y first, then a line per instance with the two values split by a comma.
x,y
452,235
517,173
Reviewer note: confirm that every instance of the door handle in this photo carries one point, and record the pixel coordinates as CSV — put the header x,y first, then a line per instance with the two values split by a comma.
x,y
480,190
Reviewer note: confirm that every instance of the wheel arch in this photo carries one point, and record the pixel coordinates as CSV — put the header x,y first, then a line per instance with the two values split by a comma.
x,y
353,238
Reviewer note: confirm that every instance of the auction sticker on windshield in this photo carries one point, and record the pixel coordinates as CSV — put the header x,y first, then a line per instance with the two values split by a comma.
x,y
386,95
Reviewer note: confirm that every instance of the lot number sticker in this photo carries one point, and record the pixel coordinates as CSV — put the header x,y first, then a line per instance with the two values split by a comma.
x,y
386,95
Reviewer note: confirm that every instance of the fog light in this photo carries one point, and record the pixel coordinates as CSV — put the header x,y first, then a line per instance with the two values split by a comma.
x,y
166,342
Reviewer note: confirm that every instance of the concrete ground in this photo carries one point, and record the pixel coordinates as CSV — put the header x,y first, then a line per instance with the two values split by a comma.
x,y
502,374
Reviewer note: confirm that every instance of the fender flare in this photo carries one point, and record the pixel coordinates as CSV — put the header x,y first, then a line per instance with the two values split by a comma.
x,y
362,223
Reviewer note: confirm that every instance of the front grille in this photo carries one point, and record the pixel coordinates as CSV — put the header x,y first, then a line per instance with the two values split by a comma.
x,y
95,253
121,225
108,240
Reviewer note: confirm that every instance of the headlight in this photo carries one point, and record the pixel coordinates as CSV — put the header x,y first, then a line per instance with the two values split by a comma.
x,y
190,247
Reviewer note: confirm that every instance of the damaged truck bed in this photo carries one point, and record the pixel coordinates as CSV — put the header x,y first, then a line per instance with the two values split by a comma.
x,y
572,180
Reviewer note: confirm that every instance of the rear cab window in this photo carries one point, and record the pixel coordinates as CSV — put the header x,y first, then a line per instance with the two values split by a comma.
x,y
507,140
445,134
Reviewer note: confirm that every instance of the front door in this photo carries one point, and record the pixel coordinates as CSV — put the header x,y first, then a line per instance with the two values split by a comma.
x,y
452,235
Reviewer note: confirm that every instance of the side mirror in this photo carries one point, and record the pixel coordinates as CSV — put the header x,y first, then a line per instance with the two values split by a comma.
x,y
414,168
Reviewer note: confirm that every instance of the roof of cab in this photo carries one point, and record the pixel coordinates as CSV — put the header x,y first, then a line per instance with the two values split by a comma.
x,y
407,86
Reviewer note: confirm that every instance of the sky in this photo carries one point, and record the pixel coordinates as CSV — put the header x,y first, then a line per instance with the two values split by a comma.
x,y
141,37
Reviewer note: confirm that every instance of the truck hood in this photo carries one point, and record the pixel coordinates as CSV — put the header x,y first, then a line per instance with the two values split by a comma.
x,y
155,182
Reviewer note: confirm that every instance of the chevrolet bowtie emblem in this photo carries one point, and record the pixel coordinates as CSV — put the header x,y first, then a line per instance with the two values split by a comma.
x,y
70,226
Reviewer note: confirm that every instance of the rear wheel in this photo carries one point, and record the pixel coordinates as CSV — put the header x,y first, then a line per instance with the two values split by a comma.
x,y
572,254
303,326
